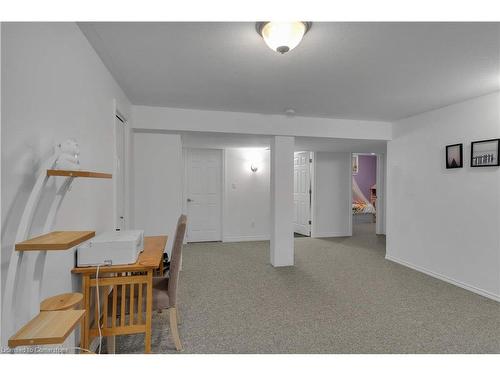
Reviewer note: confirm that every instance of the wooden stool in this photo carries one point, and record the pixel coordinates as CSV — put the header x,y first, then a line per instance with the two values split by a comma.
x,y
66,301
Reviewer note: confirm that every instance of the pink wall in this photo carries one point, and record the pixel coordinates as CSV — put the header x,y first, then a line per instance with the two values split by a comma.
x,y
367,173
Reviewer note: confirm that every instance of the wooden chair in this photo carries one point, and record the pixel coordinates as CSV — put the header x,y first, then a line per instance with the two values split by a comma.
x,y
123,306
165,288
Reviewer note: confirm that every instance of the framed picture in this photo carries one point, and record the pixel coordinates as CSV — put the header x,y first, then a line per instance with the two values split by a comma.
x,y
355,164
485,153
454,156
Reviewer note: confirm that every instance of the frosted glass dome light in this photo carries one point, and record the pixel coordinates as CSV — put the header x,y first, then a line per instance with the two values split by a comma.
x,y
283,36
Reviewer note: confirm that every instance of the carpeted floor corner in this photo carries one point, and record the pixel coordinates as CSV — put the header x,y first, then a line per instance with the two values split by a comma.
x,y
342,296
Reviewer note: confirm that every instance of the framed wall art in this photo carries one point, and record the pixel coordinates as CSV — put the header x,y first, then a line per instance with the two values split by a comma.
x,y
485,153
454,156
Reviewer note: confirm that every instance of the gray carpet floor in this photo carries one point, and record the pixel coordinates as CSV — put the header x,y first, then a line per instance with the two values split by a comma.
x,y
342,296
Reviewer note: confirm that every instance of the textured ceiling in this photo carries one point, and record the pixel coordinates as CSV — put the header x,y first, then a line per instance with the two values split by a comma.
x,y
374,71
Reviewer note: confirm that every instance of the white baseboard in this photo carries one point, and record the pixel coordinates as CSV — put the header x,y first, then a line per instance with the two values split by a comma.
x,y
447,279
330,234
245,238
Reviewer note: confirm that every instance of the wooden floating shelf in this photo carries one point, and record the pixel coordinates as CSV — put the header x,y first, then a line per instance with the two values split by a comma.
x,y
48,327
59,240
64,301
67,173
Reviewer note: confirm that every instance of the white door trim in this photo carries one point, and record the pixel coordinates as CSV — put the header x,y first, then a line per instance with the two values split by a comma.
x,y
126,171
184,187
223,198
350,195
312,177
381,183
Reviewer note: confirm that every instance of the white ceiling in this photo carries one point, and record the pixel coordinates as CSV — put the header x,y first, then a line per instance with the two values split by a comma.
x,y
374,71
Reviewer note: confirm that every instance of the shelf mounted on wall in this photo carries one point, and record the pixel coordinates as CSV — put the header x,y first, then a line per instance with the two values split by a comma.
x,y
85,174
47,327
58,240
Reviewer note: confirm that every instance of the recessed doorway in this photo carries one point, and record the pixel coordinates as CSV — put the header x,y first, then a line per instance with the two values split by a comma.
x,y
367,189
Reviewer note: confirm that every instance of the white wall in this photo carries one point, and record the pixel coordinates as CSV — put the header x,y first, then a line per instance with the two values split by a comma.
x,y
161,118
247,194
158,191
157,183
54,87
212,123
246,204
439,221
332,194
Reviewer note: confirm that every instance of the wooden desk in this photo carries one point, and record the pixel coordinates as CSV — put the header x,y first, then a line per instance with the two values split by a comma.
x,y
136,277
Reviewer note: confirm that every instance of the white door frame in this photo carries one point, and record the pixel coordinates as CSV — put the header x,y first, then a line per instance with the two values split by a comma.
x,y
185,151
312,177
350,195
224,194
381,203
125,171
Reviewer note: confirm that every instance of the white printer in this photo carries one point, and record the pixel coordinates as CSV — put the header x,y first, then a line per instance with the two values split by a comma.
x,y
111,248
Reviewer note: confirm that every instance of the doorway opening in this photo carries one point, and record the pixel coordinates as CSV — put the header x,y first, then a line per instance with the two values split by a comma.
x,y
364,193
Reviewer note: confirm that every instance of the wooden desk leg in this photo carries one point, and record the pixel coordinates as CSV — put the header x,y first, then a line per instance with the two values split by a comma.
x,y
149,312
86,318
161,271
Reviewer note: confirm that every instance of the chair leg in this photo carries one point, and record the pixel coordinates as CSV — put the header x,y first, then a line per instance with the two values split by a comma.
x,y
174,328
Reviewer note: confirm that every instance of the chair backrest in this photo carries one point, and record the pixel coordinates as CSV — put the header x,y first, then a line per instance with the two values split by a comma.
x,y
175,261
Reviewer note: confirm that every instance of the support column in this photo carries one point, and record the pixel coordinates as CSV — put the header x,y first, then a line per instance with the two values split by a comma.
x,y
282,253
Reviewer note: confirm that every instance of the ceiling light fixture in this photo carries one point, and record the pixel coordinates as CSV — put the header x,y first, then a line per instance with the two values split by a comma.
x,y
282,36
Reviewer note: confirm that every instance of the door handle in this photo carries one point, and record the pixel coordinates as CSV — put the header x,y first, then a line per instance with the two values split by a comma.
x,y
189,200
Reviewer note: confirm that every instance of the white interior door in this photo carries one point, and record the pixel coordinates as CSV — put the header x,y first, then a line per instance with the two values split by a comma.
x,y
119,174
302,193
203,195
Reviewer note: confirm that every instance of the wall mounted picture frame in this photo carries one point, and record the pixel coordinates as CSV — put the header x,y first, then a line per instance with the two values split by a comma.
x,y
485,153
454,156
